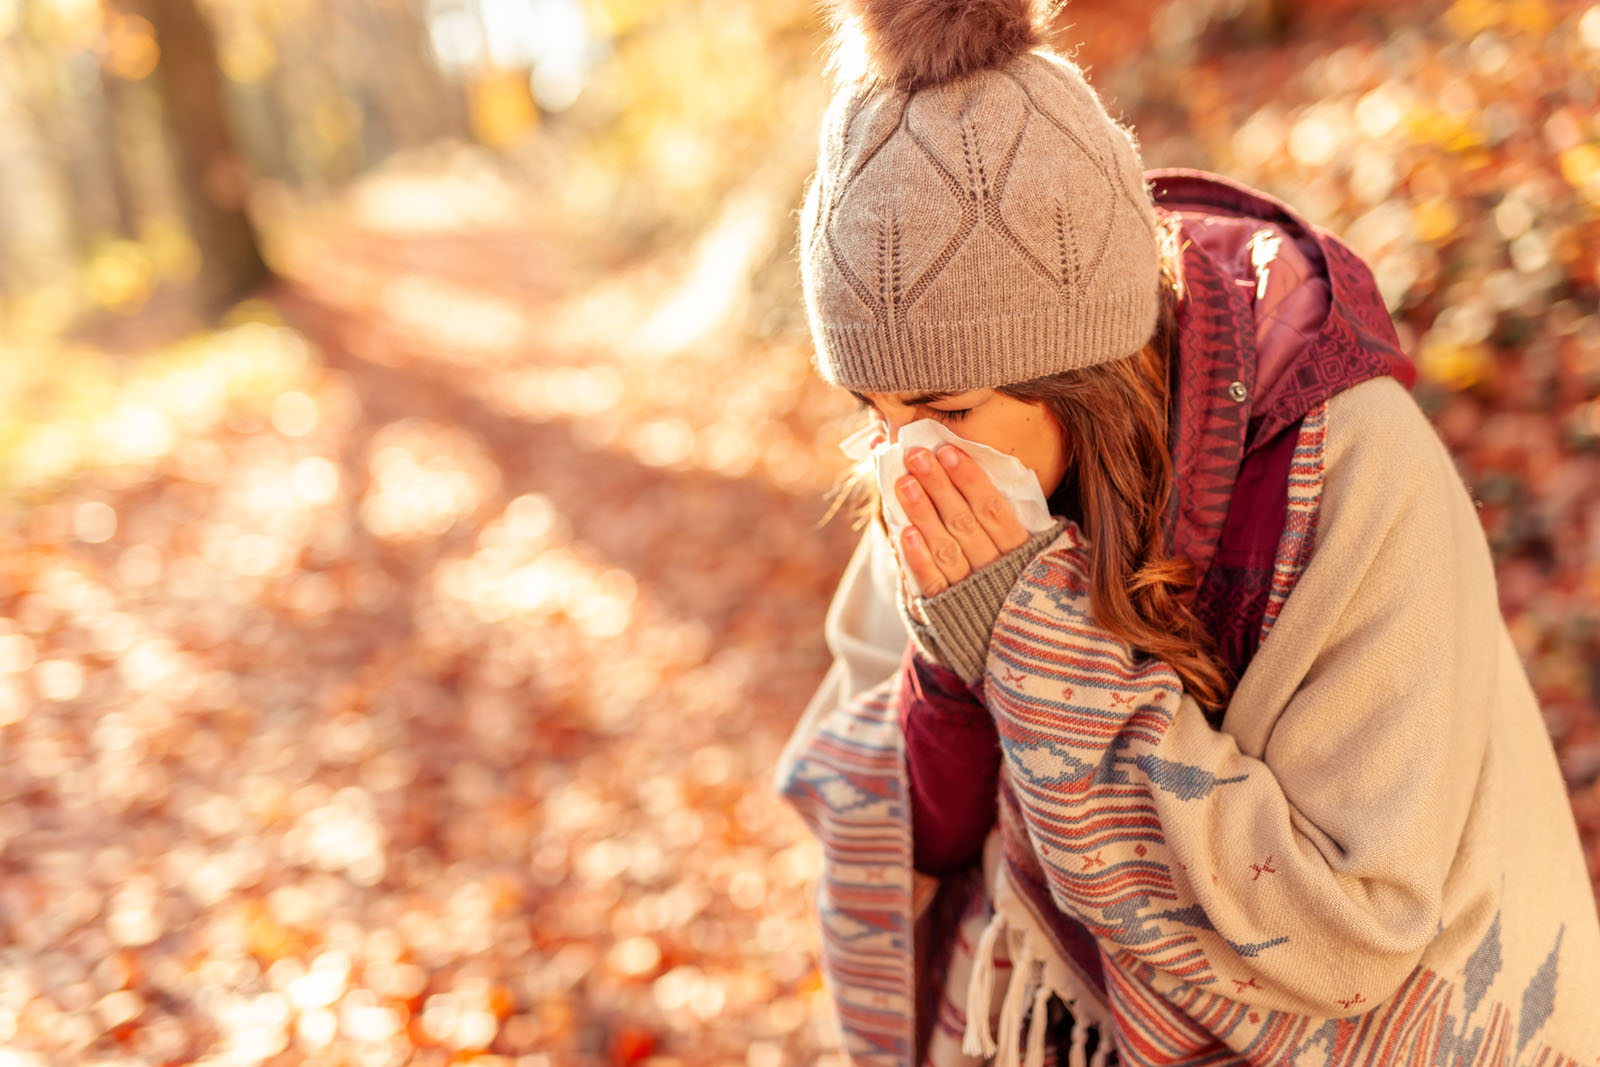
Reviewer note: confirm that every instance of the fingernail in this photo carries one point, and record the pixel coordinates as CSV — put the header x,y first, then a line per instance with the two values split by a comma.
x,y
949,456
918,461
910,489
913,537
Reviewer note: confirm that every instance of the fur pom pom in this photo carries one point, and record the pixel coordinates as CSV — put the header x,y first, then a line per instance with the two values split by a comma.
x,y
913,43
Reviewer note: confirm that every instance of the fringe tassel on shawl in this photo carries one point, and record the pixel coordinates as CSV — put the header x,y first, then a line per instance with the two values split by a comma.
x,y
1010,1036
1101,1052
977,1041
1080,1039
1027,976
1032,976
1038,1025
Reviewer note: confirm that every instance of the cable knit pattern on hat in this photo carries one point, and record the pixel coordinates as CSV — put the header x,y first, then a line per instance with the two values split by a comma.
x,y
988,230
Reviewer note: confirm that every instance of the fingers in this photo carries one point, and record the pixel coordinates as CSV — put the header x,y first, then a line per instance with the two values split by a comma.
x,y
994,512
951,533
961,522
945,553
914,550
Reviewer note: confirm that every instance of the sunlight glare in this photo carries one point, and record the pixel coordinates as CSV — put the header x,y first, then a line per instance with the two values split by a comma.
x,y
294,414
545,393
136,433
403,203
1315,140
94,522
468,321
59,679
424,478
315,480
717,280
523,577
664,442
1589,28
1380,111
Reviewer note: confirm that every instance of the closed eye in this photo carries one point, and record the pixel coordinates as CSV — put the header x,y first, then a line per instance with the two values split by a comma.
x,y
946,415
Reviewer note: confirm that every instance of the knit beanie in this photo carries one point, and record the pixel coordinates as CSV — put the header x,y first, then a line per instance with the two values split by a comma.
x,y
976,219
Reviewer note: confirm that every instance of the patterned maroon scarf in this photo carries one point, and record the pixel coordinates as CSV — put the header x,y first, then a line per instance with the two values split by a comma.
x,y
1227,450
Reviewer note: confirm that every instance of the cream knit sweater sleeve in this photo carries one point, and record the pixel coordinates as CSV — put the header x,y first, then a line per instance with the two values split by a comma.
x,y
1298,858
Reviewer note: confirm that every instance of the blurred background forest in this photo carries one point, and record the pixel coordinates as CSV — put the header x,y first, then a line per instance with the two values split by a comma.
x,y
410,565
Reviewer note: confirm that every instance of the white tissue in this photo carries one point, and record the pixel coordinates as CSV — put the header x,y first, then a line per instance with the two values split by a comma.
x,y
1015,481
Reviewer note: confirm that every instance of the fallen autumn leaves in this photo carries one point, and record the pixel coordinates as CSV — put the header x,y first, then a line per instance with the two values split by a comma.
x,y
396,684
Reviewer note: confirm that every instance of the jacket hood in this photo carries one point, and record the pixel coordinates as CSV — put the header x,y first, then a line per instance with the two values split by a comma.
x,y
1226,402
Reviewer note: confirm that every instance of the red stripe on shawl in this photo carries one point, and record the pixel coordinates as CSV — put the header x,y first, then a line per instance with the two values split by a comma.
x,y
1403,1002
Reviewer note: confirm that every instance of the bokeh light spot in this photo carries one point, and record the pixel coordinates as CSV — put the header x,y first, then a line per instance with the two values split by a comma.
x,y
94,522
294,414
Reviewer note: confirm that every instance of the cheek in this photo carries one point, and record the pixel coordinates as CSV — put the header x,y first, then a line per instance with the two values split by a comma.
x,y
1030,434
1047,457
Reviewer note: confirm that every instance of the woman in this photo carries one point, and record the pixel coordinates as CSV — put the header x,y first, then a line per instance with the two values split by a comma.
x,y
1237,764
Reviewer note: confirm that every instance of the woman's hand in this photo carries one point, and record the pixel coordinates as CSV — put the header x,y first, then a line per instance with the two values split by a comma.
x,y
959,521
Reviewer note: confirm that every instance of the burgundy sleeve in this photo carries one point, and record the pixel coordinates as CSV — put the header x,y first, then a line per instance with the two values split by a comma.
x,y
953,763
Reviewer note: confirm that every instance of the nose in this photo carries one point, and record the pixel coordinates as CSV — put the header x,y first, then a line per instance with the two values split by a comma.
x,y
890,425
881,430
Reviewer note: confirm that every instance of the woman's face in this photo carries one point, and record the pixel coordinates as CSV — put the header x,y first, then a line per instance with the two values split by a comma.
x,y
1021,428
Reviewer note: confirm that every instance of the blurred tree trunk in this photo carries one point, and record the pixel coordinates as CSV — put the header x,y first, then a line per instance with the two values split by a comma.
x,y
72,122
212,177
113,144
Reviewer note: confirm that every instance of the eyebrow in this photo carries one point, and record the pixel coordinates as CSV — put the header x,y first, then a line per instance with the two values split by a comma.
x,y
912,401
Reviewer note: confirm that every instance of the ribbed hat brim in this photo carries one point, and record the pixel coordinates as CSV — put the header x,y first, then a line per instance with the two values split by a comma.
x,y
985,353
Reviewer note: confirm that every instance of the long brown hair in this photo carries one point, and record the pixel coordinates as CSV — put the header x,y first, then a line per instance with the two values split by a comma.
x,y
1114,419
